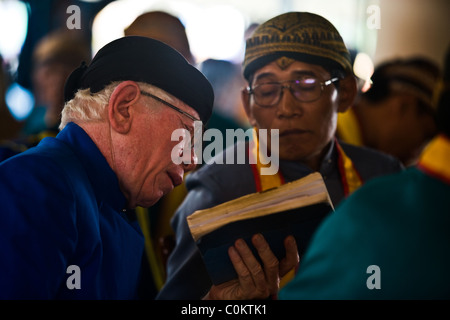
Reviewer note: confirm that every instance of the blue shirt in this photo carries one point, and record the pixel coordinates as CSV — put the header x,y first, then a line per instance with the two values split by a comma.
x,y
62,207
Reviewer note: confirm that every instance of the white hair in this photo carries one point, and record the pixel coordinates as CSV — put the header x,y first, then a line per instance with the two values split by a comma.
x,y
86,106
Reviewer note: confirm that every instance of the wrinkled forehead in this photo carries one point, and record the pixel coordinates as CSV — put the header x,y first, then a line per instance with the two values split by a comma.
x,y
289,68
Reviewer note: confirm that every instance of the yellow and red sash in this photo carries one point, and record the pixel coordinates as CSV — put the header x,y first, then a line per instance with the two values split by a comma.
x,y
351,180
262,182
435,159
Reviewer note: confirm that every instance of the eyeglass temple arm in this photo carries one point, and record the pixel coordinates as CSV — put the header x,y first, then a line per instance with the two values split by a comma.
x,y
328,82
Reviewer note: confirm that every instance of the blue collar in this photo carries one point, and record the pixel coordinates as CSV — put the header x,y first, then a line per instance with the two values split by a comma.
x,y
102,177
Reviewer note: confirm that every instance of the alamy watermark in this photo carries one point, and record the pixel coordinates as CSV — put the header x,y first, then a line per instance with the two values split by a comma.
x,y
74,20
74,280
374,19
182,152
374,280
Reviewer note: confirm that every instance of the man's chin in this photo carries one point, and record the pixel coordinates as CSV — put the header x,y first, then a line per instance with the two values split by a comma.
x,y
291,155
146,203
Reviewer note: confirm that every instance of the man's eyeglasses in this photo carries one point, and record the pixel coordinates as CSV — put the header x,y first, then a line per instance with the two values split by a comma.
x,y
195,138
170,105
305,90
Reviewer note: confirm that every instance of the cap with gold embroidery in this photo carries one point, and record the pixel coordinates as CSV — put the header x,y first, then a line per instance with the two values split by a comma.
x,y
300,36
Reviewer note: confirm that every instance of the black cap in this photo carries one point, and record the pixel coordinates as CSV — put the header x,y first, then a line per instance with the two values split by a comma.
x,y
147,60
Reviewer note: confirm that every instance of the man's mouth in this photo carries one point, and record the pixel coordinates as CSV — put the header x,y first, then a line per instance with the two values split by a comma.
x,y
176,178
292,132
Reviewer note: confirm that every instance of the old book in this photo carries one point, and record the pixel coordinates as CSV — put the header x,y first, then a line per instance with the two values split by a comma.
x,y
295,208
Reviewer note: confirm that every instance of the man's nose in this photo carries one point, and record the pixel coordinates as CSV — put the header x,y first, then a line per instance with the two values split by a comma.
x,y
288,106
189,160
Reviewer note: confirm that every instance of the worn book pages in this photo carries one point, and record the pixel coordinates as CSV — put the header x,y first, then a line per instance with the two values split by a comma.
x,y
301,193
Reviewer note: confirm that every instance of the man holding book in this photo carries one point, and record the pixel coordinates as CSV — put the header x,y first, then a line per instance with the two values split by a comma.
x,y
393,232
299,77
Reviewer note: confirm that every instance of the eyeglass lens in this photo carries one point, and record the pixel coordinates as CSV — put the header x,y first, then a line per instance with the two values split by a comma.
x,y
269,94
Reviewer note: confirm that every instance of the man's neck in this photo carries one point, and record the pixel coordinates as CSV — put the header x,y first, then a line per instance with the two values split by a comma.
x,y
314,162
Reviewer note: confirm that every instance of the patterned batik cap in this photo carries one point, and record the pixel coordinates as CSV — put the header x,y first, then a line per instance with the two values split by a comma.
x,y
300,36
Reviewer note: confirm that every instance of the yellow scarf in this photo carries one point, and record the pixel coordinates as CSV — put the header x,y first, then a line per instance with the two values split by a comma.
x,y
435,159
263,182
348,128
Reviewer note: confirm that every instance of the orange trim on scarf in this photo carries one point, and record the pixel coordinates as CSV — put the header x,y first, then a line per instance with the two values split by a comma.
x,y
434,160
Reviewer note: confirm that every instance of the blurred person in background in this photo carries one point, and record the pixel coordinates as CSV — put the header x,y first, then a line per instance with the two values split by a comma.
x,y
9,126
396,114
164,27
55,56
227,81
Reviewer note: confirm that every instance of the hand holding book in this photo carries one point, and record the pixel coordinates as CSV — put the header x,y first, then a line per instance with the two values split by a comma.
x,y
255,280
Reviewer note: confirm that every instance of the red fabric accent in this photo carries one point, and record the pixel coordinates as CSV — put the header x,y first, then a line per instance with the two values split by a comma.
x,y
433,173
342,173
256,177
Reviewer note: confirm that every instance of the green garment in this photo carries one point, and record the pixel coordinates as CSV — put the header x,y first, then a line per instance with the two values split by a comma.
x,y
389,240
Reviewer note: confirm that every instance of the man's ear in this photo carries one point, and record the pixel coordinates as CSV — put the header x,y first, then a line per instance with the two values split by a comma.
x,y
246,103
120,112
347,92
